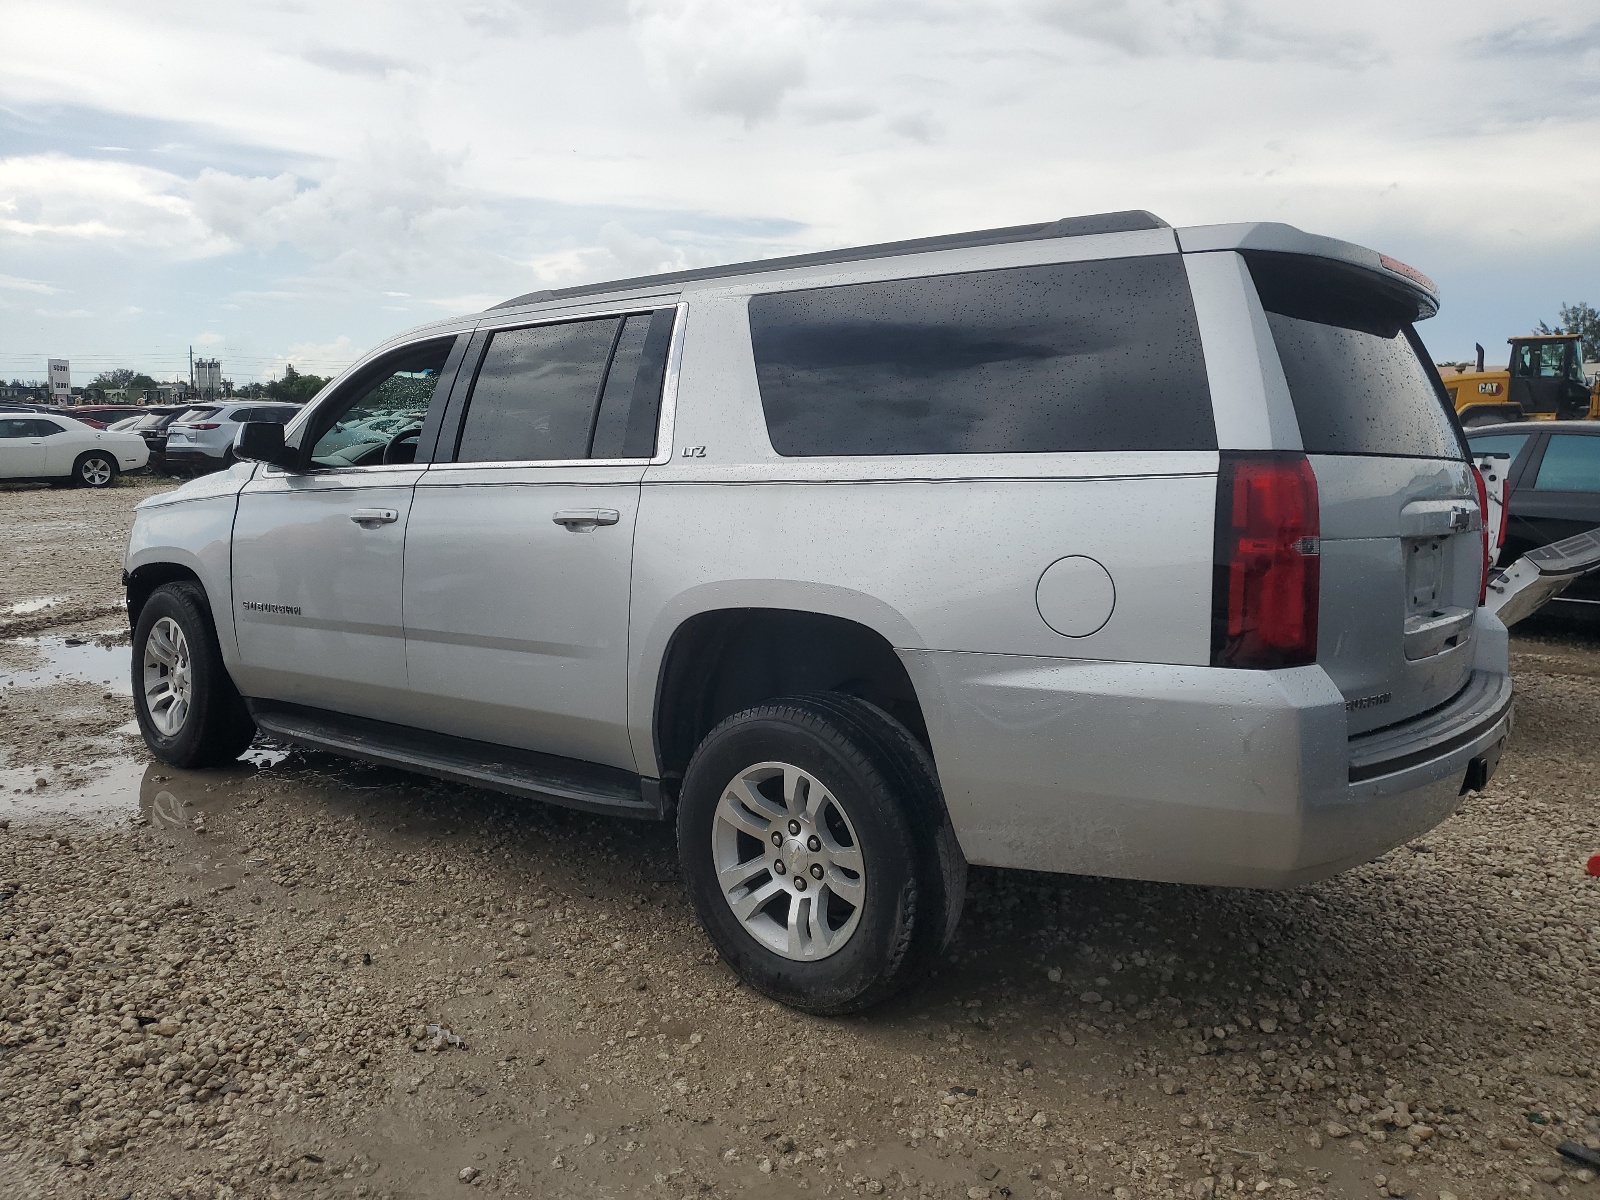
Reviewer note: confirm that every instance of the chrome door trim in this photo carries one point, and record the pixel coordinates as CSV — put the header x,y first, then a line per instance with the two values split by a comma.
x,y
667,415
528,320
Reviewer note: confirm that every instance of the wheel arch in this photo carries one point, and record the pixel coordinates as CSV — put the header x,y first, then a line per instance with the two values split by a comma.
x,y
140,582
719,661
109,455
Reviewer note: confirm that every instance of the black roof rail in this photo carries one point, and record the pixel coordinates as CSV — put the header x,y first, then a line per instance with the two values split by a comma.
x,y
1115,222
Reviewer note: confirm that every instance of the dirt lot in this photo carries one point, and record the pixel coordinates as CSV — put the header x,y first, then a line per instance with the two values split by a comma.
x,y
300,978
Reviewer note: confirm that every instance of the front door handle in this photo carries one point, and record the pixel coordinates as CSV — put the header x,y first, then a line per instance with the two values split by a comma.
x,y
371,518
581,520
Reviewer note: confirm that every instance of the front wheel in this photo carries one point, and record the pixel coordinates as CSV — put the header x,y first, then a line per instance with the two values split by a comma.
x,y
189,712
96,469
814,842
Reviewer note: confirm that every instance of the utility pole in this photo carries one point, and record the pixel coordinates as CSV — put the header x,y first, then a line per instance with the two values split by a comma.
x,y
191,368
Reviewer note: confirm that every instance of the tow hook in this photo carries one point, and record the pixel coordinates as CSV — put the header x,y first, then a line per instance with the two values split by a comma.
x,y
1481,769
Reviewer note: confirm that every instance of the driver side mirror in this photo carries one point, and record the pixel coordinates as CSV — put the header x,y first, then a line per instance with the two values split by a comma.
x,y
262,441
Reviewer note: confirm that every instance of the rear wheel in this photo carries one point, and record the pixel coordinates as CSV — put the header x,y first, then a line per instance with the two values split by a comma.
x,y
94,469
189,712
813,838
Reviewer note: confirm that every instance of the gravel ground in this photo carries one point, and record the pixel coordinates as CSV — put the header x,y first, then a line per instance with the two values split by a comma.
x,y
298,977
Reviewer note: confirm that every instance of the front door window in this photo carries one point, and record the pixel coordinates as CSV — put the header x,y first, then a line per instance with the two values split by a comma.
x,y
378,419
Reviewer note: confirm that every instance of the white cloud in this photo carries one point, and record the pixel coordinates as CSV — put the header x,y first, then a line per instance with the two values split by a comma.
x,y
633,254
12,283
1224,29
728,57
51,197
918,126
317,358
307,160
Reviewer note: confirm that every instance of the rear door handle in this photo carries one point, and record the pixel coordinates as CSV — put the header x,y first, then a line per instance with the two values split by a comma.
x,y
369,518
580,520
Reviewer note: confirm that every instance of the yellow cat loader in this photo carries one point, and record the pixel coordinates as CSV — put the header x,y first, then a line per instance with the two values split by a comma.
x,y
1544,382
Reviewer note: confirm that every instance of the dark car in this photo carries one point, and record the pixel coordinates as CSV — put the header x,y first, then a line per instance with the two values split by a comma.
x,y
1553,492
152,427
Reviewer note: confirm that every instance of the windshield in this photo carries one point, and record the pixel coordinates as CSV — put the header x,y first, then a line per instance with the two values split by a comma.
x,y
197,414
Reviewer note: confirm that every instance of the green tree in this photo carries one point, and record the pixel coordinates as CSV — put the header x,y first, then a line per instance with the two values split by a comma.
x,y
294,387
1583,320
108,381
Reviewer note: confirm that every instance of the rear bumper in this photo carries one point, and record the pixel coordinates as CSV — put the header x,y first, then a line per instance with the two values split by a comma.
x,y
1194,774
187,455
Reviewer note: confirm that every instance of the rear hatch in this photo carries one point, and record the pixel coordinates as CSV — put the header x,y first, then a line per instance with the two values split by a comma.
x,y
182,430
1402,550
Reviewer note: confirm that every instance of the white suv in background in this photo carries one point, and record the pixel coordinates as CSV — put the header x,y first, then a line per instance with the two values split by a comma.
x,y
202,438
1096,546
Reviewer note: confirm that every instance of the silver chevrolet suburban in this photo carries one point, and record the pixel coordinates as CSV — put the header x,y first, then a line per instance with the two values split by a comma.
x,y
1094,546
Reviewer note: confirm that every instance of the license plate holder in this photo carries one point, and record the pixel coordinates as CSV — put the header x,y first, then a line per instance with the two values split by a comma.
x,y
1425,577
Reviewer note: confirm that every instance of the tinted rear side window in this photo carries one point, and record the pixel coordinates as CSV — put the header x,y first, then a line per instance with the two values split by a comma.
x,y
535,393
625,426
275,416
1355,368
1067,356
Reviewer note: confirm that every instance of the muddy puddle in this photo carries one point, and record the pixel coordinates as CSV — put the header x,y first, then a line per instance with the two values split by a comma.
x,y
37,661
123,789
26,608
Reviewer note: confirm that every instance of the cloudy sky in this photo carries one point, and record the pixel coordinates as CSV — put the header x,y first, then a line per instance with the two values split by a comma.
x,y
293,180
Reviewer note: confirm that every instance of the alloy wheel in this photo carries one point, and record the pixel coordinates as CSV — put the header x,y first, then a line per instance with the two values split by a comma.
x,y
95,471
788,861
168,677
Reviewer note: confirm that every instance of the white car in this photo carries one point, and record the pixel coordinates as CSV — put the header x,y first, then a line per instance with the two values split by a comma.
x,y
61,450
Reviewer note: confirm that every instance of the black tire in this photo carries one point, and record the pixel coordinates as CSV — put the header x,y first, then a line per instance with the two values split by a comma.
x,y
217,727
95,469
885,782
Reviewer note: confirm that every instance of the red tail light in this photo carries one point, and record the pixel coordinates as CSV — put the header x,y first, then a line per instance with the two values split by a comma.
x,y
1268,562
1483,514
206,425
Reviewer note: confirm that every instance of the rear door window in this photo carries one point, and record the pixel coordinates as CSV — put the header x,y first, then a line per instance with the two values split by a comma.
x,y
568,391
630,403
1061,357
1571,463
1357,375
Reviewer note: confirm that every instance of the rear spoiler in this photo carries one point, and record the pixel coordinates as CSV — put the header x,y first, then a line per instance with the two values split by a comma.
x,y
1273,237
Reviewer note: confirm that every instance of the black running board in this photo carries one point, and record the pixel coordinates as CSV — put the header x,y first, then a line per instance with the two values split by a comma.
x,y
564,781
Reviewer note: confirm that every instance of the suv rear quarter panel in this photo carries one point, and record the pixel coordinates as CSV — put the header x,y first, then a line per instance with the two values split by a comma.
x,y
939,553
